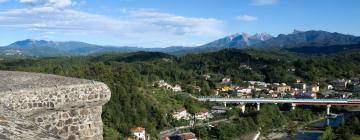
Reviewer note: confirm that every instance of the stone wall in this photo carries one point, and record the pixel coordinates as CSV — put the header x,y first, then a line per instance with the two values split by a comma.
x,y
67,107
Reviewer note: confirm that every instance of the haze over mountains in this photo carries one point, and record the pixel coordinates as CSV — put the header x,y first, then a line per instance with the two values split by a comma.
x,y
298,41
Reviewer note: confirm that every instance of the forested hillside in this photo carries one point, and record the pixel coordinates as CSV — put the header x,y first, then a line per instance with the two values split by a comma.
x,y
135,101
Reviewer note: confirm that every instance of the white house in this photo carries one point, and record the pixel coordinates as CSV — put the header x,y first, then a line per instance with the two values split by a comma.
x,y
202,115
244,90
139,133
181,114
225,80
177,88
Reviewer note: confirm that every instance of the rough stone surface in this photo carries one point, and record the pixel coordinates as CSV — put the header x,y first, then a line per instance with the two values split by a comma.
x,y
66,107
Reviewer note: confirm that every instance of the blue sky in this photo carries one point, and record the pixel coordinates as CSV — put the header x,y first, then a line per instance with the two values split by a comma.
x,y
162,23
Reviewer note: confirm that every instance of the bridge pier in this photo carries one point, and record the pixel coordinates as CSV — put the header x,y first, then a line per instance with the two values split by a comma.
x,y
293,106
257,106
242,107
224,104
328,110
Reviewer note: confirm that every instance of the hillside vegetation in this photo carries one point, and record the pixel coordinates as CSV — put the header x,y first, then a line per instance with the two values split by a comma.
x,y
135,101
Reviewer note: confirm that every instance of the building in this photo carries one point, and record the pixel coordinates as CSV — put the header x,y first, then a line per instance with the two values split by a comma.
x,y
225,88
244,66
340,84
139,133
226,81
202,115
300,86
282,88
181,114
184,136
244,90
314,88
176,88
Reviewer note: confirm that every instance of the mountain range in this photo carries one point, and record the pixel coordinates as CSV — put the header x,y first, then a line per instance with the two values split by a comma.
x,y
311,42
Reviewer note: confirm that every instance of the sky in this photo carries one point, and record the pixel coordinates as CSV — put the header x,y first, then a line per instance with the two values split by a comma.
x,y
164,23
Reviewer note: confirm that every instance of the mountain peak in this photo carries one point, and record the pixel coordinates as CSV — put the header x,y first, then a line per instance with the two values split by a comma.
x,y
297,31
261,36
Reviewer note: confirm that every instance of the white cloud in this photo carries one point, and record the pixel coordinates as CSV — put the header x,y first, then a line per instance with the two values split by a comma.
x,y
48,3
264,2
246,18
134,26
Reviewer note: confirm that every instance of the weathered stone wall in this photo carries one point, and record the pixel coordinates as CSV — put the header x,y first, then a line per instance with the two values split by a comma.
x,y
68,107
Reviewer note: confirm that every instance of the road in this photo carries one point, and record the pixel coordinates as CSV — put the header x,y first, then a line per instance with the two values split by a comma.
x,y
173,131
308,101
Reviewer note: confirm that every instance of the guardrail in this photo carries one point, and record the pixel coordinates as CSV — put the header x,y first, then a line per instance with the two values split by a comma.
x,y
277,100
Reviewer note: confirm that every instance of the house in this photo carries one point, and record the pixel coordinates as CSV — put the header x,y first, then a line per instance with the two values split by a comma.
x,y
282,88
340,84
300,86
225,88
176,88
244,90
244,66
181,114
184,136
226,81
139,133
330,87
206,76
162,83
202,115
314,88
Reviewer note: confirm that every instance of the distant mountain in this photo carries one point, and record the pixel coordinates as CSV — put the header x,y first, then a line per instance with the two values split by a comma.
x,y
309,38
324,50
312,42
42,48
238,40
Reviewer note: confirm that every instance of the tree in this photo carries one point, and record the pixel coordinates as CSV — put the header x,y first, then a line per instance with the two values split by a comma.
x,y
327,135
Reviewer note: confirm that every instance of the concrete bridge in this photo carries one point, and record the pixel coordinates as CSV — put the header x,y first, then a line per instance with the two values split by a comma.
x,y
293,101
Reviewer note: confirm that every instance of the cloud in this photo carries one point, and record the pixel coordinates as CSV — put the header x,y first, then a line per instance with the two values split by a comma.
x,y
133,25
246,18
48,3
264,2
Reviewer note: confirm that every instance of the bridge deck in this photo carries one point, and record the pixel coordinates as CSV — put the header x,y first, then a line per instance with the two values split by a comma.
x,y
280,100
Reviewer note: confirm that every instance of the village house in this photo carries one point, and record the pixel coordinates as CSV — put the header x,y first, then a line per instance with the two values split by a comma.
x,y
202,115
181,114
139,133
176,88
184,136
340,84
330,87
282,88
244,66
313,88
244,90
206,76
226,81
300,86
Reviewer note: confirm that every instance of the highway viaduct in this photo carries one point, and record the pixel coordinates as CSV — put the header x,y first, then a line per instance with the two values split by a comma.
x,y
293,101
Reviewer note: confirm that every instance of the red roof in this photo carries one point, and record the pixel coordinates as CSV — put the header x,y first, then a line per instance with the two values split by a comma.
x,y
187,136
138,129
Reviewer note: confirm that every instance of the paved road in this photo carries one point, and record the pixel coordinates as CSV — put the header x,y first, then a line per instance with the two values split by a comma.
x,y
280,100
173,131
